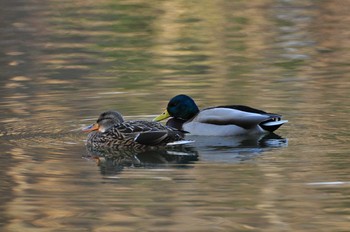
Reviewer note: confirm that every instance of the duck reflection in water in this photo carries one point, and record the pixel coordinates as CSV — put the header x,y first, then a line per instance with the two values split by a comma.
x,y
205,148
237,148
112,161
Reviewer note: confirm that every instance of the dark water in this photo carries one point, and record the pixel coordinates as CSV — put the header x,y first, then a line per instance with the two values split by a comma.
x,y
64,62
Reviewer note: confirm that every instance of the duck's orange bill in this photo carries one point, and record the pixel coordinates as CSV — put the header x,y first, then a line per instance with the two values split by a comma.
x,y
90,128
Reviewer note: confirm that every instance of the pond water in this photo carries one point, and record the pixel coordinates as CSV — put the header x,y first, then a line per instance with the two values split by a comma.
x,y
63,63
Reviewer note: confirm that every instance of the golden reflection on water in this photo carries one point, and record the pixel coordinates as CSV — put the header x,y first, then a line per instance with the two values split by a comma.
x,y
65,63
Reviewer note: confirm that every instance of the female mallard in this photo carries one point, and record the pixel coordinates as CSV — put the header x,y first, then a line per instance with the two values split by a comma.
x,y
218,121
111,131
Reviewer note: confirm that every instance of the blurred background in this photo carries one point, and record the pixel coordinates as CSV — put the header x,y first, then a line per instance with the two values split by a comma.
x,y
64,62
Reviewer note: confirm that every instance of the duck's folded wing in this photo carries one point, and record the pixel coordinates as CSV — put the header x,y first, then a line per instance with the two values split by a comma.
x,y
153,138
139,126
230,116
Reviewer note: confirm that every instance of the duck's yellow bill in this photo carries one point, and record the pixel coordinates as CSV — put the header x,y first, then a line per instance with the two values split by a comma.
x,y
163,116
91,128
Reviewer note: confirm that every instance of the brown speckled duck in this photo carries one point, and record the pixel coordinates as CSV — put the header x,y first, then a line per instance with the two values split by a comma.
x,y
111,131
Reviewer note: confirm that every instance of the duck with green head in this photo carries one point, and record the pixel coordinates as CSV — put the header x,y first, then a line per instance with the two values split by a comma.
x,y
229,120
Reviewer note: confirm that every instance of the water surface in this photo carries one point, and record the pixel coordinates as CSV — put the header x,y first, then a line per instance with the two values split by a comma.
x,y
64,63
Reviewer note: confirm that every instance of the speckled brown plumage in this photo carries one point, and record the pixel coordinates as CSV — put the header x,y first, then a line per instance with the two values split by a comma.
x,y
112,132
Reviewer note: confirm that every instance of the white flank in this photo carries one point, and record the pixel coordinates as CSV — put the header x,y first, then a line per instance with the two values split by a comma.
x,y
197,128
226,114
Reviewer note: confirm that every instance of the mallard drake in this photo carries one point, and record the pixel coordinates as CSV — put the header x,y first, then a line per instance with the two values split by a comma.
x,y
228,120
111,131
